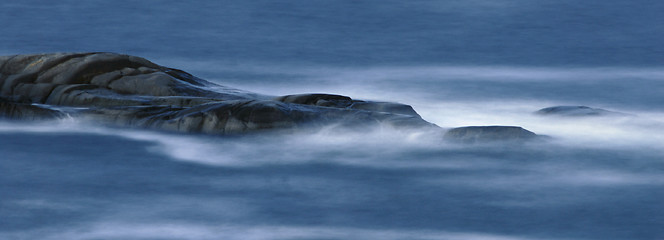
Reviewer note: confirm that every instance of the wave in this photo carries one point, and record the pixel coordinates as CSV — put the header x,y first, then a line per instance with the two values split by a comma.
x,y
612,87
440,72
175,230
596,142
634,140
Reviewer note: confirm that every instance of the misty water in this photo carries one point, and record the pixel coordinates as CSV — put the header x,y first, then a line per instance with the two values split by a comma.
x,y
458,63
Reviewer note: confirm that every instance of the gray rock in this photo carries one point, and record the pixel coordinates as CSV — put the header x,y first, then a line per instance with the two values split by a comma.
x,y
128,91
123,90
576,111
14,110
487,134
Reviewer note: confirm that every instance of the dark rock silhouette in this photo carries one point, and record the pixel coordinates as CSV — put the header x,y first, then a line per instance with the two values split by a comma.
x,y
128,91
13,110
576,111
485,134
131,91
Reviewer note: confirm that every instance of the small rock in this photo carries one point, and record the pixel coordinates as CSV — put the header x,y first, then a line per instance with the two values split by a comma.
x,y
576,111
485,134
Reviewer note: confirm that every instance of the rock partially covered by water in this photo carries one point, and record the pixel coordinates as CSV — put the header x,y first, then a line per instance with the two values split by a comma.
x,y
131,91
14,110
576,111
487,134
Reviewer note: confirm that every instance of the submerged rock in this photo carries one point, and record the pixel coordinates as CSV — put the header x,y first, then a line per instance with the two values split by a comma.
x,y
131,91
486,134
576,111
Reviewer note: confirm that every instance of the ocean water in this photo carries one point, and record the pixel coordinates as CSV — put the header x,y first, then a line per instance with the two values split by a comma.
x,y
458,63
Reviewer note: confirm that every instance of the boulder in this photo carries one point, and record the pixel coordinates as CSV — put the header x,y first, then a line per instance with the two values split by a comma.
x,y
123,90
488,134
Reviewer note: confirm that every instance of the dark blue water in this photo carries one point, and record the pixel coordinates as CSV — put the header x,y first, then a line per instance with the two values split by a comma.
x,y
347,32
456,62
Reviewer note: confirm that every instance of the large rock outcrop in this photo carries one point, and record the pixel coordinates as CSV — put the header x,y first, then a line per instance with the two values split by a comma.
x,y
131,91
128,91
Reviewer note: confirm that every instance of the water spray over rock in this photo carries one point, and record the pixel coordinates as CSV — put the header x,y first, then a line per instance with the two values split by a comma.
x,y
128,91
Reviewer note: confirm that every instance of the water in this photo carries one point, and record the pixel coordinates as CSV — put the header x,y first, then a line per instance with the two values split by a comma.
x,y
457,63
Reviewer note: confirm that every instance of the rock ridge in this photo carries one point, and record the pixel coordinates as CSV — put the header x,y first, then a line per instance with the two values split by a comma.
x,y
129,91
126,90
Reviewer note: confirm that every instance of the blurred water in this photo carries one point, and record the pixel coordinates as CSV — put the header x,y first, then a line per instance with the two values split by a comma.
x,y
457,63
347,32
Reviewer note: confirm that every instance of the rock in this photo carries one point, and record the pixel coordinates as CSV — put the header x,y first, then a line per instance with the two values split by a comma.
x,y
13,110
329,100
576,111
123,90
387,107
486,134
318,99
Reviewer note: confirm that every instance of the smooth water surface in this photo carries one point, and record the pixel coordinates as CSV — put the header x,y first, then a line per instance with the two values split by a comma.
x,y
458,63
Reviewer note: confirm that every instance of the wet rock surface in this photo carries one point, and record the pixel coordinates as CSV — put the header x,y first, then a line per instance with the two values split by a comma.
x,y
125,90
128,91
488,134
27,111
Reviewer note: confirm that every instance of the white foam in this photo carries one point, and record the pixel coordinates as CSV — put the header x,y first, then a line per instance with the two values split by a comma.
x,y
644,131
376,82
174,230
419,87
346,75
378,148
562,177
